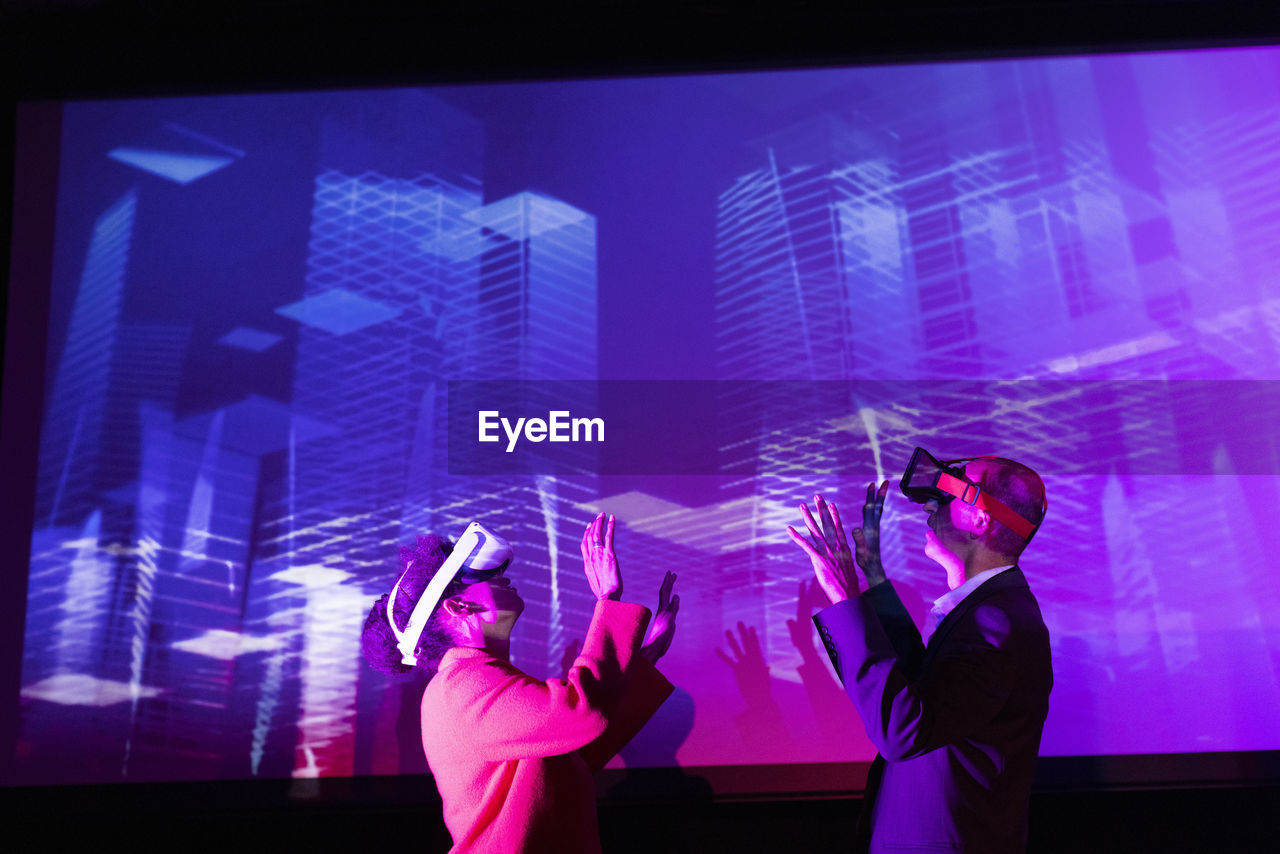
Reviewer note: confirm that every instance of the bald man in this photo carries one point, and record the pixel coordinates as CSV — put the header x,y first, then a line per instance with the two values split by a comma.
x,y
956,713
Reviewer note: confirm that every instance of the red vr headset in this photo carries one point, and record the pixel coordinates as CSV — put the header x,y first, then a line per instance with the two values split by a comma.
x,y
928,478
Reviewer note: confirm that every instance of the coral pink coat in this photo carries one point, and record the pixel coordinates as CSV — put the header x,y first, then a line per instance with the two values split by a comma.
x,y
513,756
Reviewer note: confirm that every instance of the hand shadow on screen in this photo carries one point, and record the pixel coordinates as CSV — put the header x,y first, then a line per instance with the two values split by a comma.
x,y
761,722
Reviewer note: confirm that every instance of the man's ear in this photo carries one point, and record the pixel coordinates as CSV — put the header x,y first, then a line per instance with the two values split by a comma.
x,y
975,522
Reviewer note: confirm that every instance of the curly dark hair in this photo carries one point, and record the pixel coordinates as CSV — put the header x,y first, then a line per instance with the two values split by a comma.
x,y
419,563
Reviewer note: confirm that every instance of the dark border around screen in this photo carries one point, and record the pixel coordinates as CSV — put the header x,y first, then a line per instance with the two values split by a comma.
x,y
26,322
744,783
31,130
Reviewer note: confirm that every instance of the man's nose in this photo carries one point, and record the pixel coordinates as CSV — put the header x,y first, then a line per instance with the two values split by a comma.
x,y
931,506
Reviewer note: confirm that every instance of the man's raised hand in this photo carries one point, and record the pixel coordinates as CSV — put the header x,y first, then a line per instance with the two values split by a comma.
x,y
866,540
828,551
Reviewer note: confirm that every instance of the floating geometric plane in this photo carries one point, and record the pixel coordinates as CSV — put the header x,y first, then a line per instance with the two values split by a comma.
x,y
338,311
526,215
177,167
312,576
81,689
244,338
219,643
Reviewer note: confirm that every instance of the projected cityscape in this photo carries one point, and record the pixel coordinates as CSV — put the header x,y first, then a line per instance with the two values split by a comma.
x,y
259,303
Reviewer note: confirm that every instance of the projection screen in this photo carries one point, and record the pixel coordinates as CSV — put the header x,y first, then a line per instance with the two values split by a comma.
x,y
276,320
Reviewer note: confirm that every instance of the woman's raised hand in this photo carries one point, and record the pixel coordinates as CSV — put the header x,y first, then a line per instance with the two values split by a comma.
x,y
599,560
663,627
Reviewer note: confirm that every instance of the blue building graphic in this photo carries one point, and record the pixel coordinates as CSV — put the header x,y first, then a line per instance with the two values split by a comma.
x,y
73,425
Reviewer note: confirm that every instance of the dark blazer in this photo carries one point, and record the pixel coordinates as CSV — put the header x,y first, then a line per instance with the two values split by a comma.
x,y
957,723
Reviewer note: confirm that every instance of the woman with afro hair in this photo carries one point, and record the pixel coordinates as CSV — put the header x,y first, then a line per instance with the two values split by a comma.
x,y
513,755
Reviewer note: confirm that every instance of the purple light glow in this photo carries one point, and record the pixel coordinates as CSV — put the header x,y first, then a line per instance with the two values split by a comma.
x,y
1066,261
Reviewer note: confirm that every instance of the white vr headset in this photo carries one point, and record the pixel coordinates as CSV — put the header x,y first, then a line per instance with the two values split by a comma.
x,y
478,555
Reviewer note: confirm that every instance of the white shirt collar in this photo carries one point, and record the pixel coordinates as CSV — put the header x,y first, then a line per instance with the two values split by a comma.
x,y
947,602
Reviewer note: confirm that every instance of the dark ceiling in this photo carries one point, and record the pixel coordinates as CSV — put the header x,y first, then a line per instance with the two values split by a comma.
x,y
111,47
